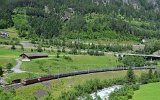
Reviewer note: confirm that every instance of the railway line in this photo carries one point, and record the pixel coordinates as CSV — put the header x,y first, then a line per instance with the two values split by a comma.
x,y
19,83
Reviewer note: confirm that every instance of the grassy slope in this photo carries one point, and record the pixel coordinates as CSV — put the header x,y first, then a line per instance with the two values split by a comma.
x,y
9,53
60,65
8,56
148,92
4,61
12,32
55,87
52,65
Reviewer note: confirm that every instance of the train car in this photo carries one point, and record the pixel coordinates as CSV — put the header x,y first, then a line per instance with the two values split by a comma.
x,y
56,76
46,78
65,74
30,81
16,81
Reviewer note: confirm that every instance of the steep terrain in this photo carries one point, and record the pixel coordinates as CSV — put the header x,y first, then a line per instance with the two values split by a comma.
x,y
86,19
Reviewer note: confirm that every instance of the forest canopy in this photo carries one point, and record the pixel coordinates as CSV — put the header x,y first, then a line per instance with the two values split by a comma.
x,y
88,19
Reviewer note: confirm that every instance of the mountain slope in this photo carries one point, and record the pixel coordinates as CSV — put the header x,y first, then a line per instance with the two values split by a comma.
x,y
87,19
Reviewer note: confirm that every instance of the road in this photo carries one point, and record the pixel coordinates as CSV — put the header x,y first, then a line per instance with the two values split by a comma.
x,y
17,69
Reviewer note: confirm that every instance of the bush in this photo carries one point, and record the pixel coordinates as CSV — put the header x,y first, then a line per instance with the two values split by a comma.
x,y
58,54
144,78
39,49
133,61
87,88
73,51
13,47
124,93
149,77
95,53
67,58
9,66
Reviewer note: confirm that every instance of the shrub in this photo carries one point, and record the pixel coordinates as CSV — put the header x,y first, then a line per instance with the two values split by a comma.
x,y
39,49
73,51
87,88
144,78
124,93
9,66
67,58
13,47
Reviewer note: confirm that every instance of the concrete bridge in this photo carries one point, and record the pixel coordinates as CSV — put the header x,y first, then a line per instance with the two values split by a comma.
x,y
151,57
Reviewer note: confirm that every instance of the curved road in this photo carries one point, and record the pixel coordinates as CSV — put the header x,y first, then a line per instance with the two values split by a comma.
x,y
17,69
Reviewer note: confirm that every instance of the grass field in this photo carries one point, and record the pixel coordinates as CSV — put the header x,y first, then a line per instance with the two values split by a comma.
x,y
9,53
4,61
55,87
148,92
59,65
8,56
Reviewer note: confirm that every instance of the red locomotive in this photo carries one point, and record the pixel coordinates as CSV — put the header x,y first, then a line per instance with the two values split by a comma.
x,y
30,81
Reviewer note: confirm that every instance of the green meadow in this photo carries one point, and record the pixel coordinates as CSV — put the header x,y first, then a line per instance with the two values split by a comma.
x,y
8,56
9,53
54,65
148,92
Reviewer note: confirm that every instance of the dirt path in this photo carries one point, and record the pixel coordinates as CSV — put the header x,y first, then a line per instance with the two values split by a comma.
x,y
17,69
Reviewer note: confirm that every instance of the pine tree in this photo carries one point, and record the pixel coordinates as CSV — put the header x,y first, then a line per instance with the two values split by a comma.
x,y
155,74
150,74
130,76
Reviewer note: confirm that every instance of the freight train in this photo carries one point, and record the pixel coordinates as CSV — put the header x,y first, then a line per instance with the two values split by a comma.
x,y
57,76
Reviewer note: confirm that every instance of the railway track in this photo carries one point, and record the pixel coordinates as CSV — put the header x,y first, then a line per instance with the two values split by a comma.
x,y
57,76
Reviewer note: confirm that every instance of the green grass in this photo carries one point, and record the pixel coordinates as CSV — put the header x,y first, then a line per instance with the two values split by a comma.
x,y
148,92
5,61
55,87
8,56
139,23
27,92
53,65
9,53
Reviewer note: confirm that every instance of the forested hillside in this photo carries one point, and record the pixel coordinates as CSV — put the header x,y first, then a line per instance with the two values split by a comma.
x,y
86,19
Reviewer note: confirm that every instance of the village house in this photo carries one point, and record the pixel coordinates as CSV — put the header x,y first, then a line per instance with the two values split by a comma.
x,y
4,34
30,56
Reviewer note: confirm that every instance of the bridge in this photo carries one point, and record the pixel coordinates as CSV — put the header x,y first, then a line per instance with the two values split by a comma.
x,y
151,57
